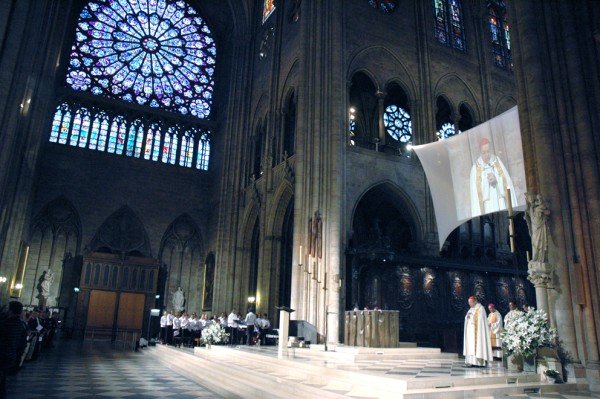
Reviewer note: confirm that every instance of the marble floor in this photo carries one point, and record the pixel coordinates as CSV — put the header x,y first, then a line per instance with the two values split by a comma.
x,y
74,369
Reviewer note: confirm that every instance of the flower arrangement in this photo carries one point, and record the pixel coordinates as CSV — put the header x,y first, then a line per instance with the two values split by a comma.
x,y
551,373
214,334
527,332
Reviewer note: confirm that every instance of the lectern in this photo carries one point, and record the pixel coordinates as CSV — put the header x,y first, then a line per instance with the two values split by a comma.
x,y
284,329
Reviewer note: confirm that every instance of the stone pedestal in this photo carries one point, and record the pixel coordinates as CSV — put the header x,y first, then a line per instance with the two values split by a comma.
x,y
284,330
592,371
540,274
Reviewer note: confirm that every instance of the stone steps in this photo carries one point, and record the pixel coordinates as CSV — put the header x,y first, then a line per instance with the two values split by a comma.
x,y
265,375
489,391
232,381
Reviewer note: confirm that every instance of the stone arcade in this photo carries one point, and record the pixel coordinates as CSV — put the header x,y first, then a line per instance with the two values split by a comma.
x,y
242,149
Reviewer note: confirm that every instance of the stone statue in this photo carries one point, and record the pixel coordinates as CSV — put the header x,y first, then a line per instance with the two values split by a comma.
x,y
536,216
46,284
44,287
178,300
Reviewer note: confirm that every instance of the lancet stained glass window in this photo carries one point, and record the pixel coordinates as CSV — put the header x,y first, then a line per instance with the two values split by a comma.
x,y
500,34
151,52
449,25
80,126
397,123
387,6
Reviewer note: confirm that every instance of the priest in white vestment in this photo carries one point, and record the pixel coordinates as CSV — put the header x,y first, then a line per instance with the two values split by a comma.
x,y
512,313
496,327
489,180
477,346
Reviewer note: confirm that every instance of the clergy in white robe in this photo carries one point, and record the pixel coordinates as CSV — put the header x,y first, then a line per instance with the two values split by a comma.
x,y
477,346
496,327
489,180
163,327
512,314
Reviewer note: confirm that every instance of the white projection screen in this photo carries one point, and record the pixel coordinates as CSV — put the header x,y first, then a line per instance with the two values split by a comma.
x,y
468,174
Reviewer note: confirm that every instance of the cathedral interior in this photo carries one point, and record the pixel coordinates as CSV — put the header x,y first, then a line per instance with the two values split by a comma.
x,y
152,145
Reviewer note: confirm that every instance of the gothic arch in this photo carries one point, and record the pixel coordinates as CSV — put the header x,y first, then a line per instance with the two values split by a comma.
x,y
290,83
411,212
55,238
250,216
122,233
181,257
283,195
363,59
504,104
457,90
467,107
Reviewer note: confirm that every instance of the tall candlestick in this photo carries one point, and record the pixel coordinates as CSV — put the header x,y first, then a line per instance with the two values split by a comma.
x,y
509,202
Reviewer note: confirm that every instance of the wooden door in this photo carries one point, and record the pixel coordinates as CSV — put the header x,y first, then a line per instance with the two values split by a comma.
x,y
101,313
131,311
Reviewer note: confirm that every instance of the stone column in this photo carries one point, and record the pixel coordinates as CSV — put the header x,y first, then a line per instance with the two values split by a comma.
x,y
540,275
556,73
380,111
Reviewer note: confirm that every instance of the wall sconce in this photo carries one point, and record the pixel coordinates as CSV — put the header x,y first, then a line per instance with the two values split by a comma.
x,y
251,299
157,296
2,279
18,286
76,290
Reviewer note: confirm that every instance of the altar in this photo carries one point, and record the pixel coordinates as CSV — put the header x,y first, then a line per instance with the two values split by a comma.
x,y
372,328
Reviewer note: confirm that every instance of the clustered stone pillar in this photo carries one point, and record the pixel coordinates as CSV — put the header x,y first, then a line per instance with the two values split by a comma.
x,y
540,275
556,74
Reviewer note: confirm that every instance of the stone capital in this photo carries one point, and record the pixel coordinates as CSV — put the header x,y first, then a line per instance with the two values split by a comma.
x,y
540,273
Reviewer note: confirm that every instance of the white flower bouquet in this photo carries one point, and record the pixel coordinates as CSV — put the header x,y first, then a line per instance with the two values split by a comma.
x,y
527,332
214,334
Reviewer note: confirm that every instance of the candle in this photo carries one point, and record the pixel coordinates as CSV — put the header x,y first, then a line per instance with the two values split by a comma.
x,y
509,202
300,256
527,255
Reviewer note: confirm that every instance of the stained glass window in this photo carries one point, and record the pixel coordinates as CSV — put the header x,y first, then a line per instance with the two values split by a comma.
x,y
203,152
397,123
500,34
79,126
447,130
187,150
387,6
449,25
158,53
268,9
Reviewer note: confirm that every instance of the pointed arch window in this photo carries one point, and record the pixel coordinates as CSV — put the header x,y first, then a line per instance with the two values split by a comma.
x,y
444,119
500,34
157,54
449,23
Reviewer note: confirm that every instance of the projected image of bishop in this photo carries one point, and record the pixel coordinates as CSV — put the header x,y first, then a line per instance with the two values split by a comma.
x,y
488,180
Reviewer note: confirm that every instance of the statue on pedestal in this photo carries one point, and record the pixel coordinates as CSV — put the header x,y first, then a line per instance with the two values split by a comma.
x,y
536,216
178,300
47,279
